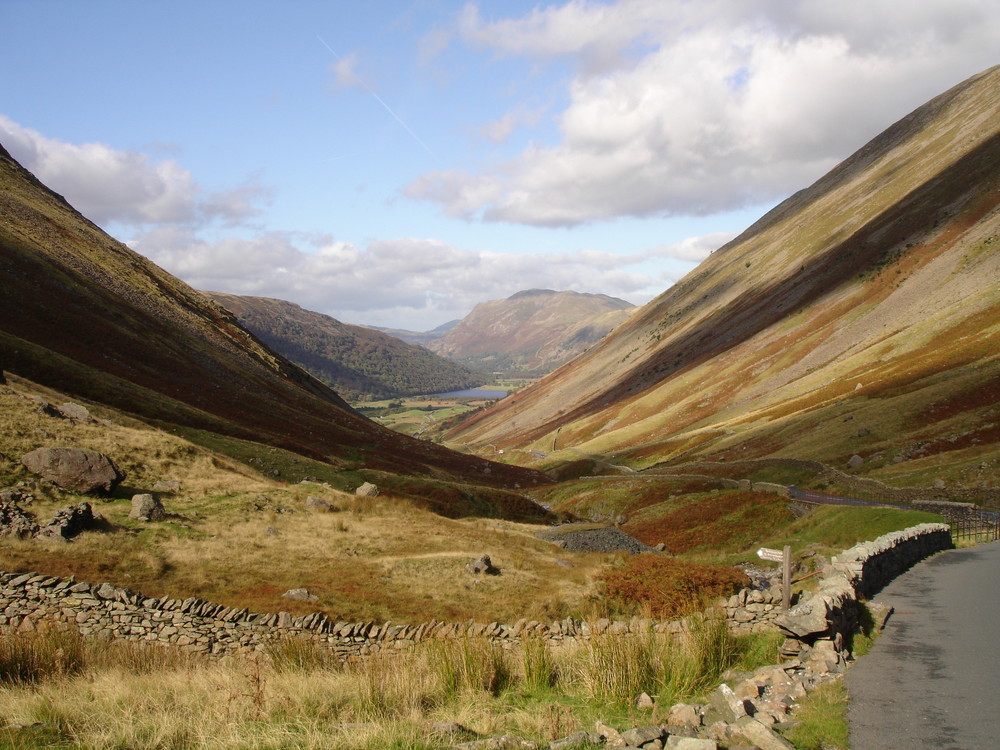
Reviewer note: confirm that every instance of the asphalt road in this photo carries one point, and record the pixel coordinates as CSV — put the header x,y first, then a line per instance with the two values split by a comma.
x,y
932,679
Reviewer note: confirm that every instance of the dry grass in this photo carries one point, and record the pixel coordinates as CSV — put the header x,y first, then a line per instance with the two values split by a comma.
x,y
295,698
242,539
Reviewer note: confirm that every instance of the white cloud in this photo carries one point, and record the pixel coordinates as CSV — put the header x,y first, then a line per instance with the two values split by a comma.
x,y
407,282
682,108
108,185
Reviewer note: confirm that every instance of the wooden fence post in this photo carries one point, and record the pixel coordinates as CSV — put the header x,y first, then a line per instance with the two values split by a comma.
x,y
786,578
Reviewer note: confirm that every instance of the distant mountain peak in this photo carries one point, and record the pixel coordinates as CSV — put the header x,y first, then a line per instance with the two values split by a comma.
x,y
531,332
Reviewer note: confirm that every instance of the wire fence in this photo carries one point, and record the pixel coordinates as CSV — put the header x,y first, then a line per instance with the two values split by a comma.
x,y
967,524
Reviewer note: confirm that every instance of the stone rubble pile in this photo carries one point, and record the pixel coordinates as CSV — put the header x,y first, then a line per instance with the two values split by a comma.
x,y
65,524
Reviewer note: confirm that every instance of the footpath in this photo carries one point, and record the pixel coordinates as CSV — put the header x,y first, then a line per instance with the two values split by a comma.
x,y
932,679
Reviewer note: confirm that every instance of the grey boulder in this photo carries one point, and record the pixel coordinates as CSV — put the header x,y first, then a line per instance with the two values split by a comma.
x,y
74,469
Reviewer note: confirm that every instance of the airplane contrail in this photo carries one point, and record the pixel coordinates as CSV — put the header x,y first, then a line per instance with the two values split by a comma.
x,y
379,100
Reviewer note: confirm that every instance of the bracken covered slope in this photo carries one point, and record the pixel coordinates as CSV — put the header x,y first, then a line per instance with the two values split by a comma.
x,y
359,363
84,314
861,315
531,332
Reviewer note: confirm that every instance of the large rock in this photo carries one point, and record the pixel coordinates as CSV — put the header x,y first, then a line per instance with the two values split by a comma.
x,y
74,469
146,507
366,490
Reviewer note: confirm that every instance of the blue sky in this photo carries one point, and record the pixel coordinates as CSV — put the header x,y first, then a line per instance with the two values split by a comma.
x,y
395,163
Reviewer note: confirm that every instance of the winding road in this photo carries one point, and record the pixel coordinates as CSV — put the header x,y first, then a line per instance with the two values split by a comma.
x,y
932,679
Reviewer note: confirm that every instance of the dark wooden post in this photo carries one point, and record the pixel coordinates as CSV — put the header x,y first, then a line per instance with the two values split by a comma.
x,y
786,578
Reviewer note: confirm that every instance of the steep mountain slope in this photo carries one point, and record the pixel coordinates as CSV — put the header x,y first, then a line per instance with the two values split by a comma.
x,y
531,332
862,315
82,313
359,363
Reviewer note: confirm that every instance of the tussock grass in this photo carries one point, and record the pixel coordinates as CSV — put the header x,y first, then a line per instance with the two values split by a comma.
x,y
28,657
293,697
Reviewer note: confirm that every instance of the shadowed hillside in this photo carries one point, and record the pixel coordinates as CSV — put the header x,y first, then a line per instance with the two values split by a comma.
x,y
82,313
360,363
862,315
531,332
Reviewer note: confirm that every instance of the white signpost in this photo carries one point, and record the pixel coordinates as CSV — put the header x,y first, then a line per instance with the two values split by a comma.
x,y
785,558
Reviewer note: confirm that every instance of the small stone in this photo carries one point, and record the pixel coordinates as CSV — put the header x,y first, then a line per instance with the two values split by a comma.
x,y
300,594
644,701
482,564
575,741
760,735
683,715
75,412
366,490
691,743
318,503
641,735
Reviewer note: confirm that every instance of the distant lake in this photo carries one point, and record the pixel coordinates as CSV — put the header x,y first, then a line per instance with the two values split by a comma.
x,y
474,393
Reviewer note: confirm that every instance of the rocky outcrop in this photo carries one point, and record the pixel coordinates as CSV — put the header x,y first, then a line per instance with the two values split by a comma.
x,y
367,490
76,469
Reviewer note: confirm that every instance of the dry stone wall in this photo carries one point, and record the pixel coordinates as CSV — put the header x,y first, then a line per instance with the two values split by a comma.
x,y
28,600
819,627
103,610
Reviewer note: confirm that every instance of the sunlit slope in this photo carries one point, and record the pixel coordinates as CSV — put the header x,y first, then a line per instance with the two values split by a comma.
x,y
872,297
82,313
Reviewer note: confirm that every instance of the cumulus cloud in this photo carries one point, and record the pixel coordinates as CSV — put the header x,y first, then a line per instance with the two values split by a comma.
x,y
422,282
682,108
109,185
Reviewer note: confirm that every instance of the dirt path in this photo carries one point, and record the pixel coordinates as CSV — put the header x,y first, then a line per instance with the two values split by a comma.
x,y
932,680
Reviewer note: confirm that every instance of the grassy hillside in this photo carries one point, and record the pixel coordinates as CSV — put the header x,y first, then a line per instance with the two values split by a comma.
x,y
860,316
361,364
398,556
82,313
